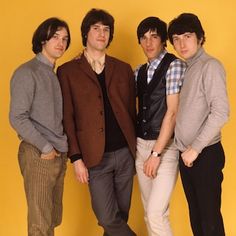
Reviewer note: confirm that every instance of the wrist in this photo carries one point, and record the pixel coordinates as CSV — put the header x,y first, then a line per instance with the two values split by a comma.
x,y
155,153
75,157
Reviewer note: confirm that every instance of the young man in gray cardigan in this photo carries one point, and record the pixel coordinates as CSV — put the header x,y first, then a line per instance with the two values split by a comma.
x,y
203,110
36,115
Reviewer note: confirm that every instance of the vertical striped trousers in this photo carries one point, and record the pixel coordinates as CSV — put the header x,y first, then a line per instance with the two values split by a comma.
x,y
43,182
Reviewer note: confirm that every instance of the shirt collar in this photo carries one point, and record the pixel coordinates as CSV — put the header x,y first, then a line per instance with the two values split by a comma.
x,y
154,63
44,60
191,60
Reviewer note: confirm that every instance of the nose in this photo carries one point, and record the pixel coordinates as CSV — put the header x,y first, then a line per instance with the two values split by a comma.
x,y
148,42
182,43
60,42
102,32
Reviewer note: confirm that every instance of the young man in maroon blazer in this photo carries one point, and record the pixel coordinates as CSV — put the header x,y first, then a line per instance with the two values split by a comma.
x,y
99,120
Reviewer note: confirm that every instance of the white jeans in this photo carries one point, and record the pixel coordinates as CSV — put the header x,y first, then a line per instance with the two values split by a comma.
x,y
156,193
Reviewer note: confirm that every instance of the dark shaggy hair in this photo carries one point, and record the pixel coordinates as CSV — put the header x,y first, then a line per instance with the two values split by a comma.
x,y
152,24
94,16
186,22
45,32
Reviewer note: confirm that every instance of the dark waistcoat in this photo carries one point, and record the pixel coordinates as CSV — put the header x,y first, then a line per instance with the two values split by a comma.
x,y
152,99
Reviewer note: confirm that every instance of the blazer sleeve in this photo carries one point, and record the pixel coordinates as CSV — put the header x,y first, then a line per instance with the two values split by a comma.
x,y
68,113
132,94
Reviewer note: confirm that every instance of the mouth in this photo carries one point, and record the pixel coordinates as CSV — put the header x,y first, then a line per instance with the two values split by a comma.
x,y
60,49
149,50
101,40
183,51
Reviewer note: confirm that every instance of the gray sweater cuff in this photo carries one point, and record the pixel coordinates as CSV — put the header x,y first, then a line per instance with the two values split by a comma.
x,y
197,146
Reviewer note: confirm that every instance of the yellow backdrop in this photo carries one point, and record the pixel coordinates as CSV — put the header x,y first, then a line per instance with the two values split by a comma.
x,y
19,20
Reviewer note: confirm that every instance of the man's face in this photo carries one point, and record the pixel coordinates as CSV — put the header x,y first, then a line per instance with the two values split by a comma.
x,y
186,45
98,37
55,47
151,45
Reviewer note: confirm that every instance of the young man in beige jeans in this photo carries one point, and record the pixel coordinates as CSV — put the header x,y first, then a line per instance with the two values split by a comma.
x,y
158,86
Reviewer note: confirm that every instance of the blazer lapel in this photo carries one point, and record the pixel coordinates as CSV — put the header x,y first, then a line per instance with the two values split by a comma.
x,y
109,68
86,68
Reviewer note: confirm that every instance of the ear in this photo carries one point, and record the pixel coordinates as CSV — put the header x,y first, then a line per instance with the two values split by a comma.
x,y
200,41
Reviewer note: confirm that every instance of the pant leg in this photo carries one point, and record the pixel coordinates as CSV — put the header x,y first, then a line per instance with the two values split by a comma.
x,y
40,177
191,196
209,185
103,197
58,192
123,180
145,183
156,193
207,176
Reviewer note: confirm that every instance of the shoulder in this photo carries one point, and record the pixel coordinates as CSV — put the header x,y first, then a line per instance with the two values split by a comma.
x,y
137,68
210,63
67,66
117,62
178,63
24,73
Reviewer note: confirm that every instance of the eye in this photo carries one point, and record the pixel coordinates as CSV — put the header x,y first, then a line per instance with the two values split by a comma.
x,y
65,39
142,38
55,36
107,29
188,36
175,39
94,27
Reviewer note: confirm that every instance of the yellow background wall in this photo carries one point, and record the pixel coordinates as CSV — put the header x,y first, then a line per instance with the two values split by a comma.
x,y
19,19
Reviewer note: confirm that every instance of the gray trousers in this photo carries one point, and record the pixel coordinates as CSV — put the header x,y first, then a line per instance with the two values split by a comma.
x,y
110,185
43,182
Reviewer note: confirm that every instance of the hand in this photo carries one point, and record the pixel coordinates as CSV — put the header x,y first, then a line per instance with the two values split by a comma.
x,y
151,165
189,156
81,172
51,155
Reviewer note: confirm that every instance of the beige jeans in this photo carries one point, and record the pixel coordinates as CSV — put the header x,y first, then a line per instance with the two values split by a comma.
x,y
43,182
156,193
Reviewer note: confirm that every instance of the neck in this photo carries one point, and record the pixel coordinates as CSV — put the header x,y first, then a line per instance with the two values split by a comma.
x,y
52,60
95,54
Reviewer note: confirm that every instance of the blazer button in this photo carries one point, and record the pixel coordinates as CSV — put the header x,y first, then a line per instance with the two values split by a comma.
x,y
101,130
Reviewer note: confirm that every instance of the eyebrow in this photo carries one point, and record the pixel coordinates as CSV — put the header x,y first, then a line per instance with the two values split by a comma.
x,y
66,36
100,25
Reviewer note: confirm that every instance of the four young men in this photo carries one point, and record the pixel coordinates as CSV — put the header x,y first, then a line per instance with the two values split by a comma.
x,y
99,118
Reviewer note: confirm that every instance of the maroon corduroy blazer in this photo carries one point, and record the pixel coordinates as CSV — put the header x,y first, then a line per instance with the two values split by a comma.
x,y
84,120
